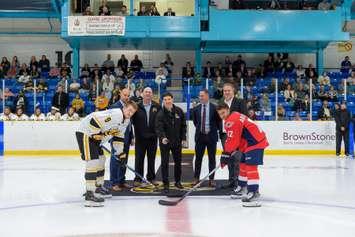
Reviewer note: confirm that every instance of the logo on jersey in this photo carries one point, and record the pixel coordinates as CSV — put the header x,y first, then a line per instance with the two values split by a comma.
x,y
228,124
108,120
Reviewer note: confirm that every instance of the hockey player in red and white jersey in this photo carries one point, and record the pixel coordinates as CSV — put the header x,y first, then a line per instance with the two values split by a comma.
x,y
245,141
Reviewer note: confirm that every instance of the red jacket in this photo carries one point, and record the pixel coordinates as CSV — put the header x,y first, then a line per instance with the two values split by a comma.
x,y
243,134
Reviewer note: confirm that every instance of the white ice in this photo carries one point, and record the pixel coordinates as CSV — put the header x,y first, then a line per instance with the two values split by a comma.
x,y
302,196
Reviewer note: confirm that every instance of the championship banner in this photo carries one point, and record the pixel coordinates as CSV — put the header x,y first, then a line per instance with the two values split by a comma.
x,y
344,47
96,25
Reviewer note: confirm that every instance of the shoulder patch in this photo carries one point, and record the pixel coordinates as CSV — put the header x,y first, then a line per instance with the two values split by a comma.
x,y
229,124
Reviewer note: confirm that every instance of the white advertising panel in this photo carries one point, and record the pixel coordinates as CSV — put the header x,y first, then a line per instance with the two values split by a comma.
x,y
96,25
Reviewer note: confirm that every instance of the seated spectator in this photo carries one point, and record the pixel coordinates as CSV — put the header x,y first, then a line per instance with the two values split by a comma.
x,y
94,91
297,117
313,77
168,63
169,12
324,113
272,87
251,114
249,78
284,84
300,72
20,100
309,70
163,69
322,94
230,70
20,116
85,85
188,72
143,11
44,64
324,79
88,11
42,86
115,97
289,94
280,113
96,76
288,66
108,64
25,78
120,75
104,9
332,94
54,72
23,68
60,100
108,84
345,65
74,86
70,116
5,64
269,66
65,68
302,103
324,5
85,71
136,64
64,78
7,115
160,79
236,4
123,11
54,115
274,5
227,61
13,71
34,72
264,103
123,63
38,115
154,11
101,102
208,71
351,83
78,104
7,94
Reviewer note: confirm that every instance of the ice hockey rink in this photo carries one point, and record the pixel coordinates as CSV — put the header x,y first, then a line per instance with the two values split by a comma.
x,y
301,196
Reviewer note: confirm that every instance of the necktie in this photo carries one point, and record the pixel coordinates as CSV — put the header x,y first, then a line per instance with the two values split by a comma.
x,y
203,129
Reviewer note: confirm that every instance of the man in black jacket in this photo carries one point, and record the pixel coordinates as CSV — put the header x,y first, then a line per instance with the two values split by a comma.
x,y
235,105
61,100
146,138
342,119
207,123
170,127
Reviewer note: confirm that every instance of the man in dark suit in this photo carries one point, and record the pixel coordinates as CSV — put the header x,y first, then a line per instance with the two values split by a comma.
x,y
117,169
207,123
208,71
61,100
235,105
146,139
169,12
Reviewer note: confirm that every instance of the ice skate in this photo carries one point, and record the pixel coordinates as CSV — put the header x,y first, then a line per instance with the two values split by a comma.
x,y
92,201
103,192
239,192
251,200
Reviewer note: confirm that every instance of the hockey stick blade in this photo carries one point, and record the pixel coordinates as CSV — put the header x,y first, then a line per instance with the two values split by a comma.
x,y
168,203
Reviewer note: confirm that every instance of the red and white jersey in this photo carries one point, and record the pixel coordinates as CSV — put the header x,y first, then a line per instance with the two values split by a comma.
x,y
243,134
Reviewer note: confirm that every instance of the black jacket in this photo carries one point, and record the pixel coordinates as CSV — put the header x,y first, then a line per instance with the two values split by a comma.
x,y
171,125
238,105
214,119
61,101
342,119
141,129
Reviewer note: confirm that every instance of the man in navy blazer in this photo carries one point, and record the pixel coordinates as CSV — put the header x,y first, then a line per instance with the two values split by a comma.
x,y
117,169
207,123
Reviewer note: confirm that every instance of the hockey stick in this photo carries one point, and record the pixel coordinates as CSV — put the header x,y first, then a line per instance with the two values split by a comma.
x,y
131,169
174,203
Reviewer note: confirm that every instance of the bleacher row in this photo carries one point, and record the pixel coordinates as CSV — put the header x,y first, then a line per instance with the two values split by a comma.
x,y
44,99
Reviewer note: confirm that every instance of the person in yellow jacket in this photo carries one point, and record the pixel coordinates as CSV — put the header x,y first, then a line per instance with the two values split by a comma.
x,y
101,102
78,104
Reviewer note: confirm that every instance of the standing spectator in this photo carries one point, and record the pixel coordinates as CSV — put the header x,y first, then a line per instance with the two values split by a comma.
x,y
14,69
143,11
169,12
324,113
208,71
85,71
207,123
146,138
289,93
54,115
70,116
60,100
38,115
218,86
169,64
154,11
170,127
123,63
163,69
88,11
136,64
227,61
274,5
33,62
65,68
324,5
78,104
322,94
288,66
238,63
332,94
44,64
101,102
108,64
236,4
5,64
108,83
309,70
345,65
269,65
123,11
104,9
342,119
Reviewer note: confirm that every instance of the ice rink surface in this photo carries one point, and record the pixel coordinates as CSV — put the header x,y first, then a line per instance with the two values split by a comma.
x,y
301,196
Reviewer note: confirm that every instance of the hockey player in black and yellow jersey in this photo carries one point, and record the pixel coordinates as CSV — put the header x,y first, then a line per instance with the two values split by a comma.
x,y
93,130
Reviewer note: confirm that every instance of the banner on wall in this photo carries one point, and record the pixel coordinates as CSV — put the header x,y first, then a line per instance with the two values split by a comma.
x,y
96,25
344,47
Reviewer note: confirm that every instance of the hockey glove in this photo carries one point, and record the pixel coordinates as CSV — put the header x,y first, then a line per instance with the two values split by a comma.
x,y
112,132
120,157
98,137
225,159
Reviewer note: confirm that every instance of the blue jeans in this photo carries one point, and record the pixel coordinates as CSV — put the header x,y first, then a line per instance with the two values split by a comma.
x,y
118,169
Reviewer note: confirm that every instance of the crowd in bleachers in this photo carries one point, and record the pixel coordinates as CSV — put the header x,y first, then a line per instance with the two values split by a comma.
x,y
284,5
37,87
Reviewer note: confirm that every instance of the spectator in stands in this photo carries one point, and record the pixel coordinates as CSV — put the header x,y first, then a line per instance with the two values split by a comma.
x,y
160,79
351,83
42,86
272,87
324,5
136,64
345,65
44,64
108,83
85,71
7,115
169,12
280,113
288,66
169,65
23,68
300,72
284,84
218,86
20,116
38,115
85,85
54,72
251,114
309,70
104,11
208,71
227,61
322,94
70,116
20,100
25,78
237,63
332,94
101,102
74,86
302,103
230,71
78,104
94,91
64,78
65,68
123,11
154,11
34,72
8,94
274,5
313,77
88,11
54,115
269,65
297,117
120,75
324,79
236,4
14,69
108,64
264,103
324,113
96,76
143,11
123,63
2,74
115,97
15,62
188,72
33,62
342,120
5,64
163,69
243,70
289,94
60,100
